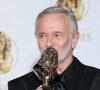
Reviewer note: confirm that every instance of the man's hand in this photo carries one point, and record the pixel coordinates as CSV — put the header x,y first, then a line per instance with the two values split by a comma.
x,y
39,89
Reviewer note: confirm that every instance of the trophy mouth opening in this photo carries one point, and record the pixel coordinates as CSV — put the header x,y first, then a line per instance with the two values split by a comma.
x,y
37,74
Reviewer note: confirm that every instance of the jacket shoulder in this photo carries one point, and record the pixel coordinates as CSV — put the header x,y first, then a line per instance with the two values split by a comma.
x,y
94,75
17,80
22,82
86,77
85,68
91,69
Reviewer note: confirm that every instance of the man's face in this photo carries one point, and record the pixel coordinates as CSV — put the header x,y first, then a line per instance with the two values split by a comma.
x,y
53,30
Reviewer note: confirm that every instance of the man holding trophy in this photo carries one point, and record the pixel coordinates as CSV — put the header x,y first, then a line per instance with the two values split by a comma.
x,y
57,35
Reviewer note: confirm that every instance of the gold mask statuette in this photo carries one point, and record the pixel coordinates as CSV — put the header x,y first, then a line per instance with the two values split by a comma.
x,y
45,69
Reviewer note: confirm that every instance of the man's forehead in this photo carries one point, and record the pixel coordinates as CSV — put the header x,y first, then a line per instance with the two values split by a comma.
x,y
53,21
53,17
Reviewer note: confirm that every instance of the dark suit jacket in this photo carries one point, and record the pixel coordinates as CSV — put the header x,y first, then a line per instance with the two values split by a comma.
x,y
85,78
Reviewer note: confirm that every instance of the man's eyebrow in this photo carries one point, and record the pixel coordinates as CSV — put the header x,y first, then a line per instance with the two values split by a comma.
x,y
57,32
41,33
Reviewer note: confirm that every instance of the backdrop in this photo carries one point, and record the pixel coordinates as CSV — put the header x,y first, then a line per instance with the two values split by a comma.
x,y
18,46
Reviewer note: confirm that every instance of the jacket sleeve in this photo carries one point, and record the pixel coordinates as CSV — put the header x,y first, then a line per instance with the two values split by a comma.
x,y
17,84
26,82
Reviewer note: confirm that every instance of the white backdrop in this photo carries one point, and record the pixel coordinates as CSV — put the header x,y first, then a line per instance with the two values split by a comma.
x,y
17,19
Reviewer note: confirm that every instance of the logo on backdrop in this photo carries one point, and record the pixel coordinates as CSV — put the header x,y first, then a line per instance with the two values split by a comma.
x,y
6,57
78,7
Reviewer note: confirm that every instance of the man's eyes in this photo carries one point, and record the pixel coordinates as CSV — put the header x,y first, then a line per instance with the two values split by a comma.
x,y
58,35
42,36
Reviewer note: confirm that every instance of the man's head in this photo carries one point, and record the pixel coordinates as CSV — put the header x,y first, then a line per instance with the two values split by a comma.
x,y
57,28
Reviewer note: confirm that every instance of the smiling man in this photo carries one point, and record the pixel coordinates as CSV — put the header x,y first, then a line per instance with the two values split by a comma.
x,y
57,28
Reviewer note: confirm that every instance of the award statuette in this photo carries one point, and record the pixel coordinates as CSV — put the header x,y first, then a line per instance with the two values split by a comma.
x,y
45,69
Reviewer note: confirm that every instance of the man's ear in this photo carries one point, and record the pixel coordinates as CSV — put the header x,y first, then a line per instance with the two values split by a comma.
x,y
75,39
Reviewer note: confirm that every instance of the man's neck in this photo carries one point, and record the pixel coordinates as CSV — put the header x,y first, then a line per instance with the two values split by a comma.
x,y
65,64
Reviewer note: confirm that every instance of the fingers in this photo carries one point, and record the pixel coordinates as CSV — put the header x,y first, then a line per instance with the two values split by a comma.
x,y
39,89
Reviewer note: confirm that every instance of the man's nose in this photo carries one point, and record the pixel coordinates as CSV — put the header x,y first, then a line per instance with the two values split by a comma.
x,y
50,42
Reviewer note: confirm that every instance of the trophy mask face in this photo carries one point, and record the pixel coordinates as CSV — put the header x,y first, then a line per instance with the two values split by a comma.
x,y
47,64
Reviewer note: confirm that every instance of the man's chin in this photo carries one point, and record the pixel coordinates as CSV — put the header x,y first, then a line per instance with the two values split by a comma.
x,y
60,61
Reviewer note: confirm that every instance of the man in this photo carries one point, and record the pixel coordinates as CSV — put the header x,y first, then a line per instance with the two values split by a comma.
x,y
57,28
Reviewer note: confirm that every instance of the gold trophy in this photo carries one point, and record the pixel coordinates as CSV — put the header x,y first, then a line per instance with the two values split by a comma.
x,y
75,6
6,58
45,69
